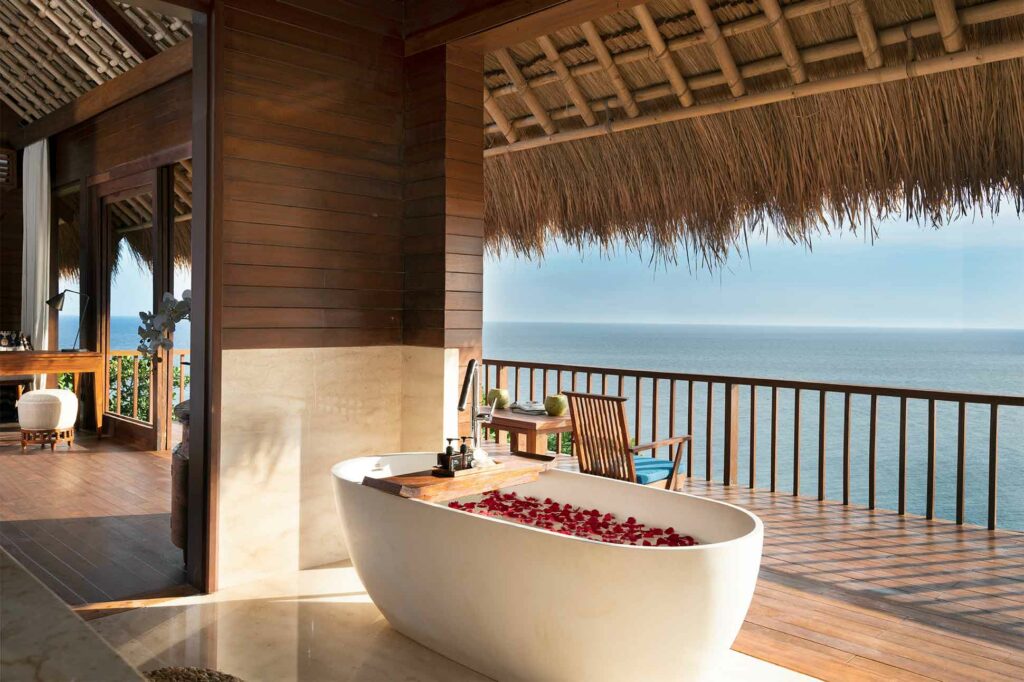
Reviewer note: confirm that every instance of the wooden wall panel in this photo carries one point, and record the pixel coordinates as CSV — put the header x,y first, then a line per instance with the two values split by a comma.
x,y
309,99
443,226
152,122
10,234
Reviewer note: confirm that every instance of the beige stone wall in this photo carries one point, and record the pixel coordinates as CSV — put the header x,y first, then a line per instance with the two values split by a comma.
x,y
289,415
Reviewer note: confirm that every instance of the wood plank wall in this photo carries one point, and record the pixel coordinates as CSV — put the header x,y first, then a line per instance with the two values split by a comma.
x,y
10,235
125,136
352,192
443,226
311,109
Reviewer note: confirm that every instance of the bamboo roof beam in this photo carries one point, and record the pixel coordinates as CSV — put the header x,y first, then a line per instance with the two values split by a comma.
x,y
33,68
661,55
783,38
124,30
680,43
41,101
866,34
21,34
7,98
50,35
1013,49
159,32
600,51
949,23
720,48
894,35
72,40
16,91
500,119
525,91
89,30
23,38
568,82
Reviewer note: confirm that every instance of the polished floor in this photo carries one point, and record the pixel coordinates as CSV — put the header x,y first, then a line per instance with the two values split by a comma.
x,y
91,522
308,626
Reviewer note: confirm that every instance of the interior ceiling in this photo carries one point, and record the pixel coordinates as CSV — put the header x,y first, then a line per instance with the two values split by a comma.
x,y
671,55
53,51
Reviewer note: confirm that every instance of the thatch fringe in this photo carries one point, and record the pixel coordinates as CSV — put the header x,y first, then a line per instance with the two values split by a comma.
x,y
929,149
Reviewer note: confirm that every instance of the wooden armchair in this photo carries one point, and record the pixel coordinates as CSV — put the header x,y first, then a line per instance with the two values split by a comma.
x,y
602,443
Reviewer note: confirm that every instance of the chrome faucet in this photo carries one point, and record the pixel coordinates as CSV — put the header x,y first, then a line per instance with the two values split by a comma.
x,y
471,386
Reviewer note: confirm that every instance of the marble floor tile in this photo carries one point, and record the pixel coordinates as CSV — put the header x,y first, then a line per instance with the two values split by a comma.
x,y
310,625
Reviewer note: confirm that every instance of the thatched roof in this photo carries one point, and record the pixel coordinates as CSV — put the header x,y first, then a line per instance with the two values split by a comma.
x,y
53,51
706,122
130,219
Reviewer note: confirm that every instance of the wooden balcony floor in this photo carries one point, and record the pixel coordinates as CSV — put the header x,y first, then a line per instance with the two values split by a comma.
x,y
851,594
848,593
93,522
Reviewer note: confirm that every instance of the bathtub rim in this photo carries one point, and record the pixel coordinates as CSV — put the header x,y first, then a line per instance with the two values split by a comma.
x,y
756,532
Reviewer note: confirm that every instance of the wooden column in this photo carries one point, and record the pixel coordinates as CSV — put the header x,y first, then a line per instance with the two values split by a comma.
x,y
443,226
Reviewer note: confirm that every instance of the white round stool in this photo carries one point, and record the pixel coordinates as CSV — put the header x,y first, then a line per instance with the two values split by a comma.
x,y
47,417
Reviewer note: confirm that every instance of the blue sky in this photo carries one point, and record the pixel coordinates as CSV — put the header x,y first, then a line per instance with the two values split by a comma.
x,y
968,274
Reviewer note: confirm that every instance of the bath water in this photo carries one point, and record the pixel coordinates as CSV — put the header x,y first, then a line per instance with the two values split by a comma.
x,y
988,361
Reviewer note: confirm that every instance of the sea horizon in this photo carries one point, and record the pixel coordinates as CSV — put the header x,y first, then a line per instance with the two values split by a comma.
x,y
984,361
761,325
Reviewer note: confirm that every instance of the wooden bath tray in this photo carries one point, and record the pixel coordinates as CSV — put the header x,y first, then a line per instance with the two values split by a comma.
x,y
422,485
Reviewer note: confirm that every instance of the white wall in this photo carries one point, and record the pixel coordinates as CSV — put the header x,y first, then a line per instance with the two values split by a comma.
x,y
289,415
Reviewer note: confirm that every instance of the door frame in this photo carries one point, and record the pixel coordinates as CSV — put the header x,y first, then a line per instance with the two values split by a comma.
x,y
144,435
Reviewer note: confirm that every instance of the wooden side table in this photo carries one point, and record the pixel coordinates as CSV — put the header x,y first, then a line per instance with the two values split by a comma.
x,y
526,430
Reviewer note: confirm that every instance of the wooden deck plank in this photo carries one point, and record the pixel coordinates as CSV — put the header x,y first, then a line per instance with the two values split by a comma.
x,y
92,522
847,593
899,597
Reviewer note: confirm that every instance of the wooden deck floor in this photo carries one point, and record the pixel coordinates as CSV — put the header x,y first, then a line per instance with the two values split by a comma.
x,y
848,593
92,523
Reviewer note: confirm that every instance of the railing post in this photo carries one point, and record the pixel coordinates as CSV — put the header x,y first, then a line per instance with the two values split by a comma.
x,y
961,459
500,381
822,407
731,424
993,464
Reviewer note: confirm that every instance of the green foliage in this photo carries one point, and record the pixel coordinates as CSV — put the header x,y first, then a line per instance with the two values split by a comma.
x,y
128,379
128,382
491,434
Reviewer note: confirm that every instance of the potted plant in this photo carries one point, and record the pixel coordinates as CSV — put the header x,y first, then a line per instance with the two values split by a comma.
x,y
156,333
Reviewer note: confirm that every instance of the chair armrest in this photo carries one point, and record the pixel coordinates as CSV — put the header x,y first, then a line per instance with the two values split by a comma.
x,y
659,443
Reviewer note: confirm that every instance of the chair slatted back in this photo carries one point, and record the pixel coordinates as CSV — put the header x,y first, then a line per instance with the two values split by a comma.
x,y
601,436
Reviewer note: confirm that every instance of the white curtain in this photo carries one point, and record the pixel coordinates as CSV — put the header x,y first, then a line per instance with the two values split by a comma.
x,y
35,255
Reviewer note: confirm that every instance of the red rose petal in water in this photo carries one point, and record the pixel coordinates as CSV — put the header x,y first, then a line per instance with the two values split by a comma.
x,y
566,519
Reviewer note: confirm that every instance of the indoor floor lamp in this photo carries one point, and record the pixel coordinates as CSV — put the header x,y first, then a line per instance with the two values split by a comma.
x,y
57,303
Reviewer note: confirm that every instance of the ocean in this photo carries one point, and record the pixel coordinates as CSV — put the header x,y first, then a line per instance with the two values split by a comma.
x,y
989,361
124,333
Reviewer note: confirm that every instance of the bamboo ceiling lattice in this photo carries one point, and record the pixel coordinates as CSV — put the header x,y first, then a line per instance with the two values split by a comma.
x,y
697,123
53,51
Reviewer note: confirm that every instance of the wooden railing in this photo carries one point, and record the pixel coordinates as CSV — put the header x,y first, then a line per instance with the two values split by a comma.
x,y
130,378
653,416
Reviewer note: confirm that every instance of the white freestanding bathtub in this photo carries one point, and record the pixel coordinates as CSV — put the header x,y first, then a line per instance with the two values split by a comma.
x,y
520,603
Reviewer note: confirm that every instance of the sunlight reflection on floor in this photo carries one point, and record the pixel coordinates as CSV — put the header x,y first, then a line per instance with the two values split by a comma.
x,y
315,624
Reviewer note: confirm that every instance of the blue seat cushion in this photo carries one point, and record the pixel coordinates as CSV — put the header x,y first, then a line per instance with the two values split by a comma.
x,y
650,469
